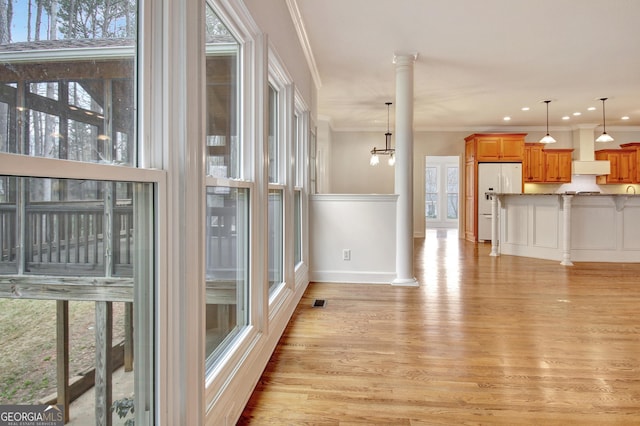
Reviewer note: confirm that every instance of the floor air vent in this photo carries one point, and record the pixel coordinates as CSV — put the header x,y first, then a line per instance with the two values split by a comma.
x,y
319,303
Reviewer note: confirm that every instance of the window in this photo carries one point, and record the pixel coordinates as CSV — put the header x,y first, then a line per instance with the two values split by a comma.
x,y
60,109
274,136
300,127
228,197
431,193
452,192
80,230
224,148
227,275
275,215
441,191
297,227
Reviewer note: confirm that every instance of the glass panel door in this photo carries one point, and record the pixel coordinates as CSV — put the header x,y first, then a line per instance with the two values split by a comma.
x,y
442,182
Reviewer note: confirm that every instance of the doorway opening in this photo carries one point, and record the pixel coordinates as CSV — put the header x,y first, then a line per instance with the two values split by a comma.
x,y
442,189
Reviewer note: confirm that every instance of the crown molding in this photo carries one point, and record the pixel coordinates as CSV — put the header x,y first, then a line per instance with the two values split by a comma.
x,y
298,23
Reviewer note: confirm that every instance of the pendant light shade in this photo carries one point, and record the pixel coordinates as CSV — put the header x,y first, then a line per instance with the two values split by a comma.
x,y
604,137
375,152
547,138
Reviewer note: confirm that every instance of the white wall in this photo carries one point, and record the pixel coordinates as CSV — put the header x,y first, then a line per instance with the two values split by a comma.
x,y
274,20
362,224
352,174
350,169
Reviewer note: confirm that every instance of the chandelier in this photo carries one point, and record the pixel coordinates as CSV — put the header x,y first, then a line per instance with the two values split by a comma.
x,y
375,152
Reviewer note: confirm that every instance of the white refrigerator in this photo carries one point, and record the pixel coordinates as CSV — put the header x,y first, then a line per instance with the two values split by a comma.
x,y
505,178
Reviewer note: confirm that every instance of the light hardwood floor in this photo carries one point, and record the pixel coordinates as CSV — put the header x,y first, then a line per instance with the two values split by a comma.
x,y
508,340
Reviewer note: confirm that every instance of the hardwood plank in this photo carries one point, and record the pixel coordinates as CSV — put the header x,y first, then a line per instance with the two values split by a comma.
x,y
483,340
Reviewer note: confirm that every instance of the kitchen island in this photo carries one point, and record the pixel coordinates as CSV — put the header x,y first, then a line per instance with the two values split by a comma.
x,y
582,227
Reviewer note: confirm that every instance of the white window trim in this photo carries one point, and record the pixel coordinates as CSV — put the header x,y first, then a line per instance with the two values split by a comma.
x,y
235,364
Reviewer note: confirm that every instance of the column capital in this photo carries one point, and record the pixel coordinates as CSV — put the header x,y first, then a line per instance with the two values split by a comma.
x,y
405,57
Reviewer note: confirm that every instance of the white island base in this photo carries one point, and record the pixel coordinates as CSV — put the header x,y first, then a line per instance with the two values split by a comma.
x,y
567,227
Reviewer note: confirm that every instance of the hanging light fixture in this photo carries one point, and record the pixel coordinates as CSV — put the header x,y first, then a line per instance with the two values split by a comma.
x,y
604,137
387,146
547,138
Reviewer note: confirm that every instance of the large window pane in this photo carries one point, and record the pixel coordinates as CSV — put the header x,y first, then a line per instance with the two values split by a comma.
x,y
431,192
224,153
71,227
452,192
227,274
297,223
275,237
8,226
74,98
81,247
274,137
68,91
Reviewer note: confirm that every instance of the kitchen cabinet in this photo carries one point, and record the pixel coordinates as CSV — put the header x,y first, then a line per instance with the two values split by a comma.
x,y
557,165
498,147
623,166
471,206
636,146
532,163
486,148
546,165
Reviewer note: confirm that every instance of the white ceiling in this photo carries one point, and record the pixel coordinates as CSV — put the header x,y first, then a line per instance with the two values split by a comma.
x,y
478,61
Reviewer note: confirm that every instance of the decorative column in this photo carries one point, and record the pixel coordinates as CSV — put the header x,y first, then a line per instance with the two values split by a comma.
x,y
404,170
566,234
494,225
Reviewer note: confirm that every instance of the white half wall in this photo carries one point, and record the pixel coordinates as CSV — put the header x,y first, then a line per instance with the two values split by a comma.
x,y
363,224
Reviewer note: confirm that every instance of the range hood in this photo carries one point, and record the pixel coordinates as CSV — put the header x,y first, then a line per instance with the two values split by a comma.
x,y
584,149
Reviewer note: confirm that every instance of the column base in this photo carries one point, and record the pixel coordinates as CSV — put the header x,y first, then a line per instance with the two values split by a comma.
x,y
566,263
405,282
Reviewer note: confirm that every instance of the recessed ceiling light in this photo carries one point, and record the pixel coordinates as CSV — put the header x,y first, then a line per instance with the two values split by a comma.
x,y
525,108
626,117
507,118
591,109
566,117
577,113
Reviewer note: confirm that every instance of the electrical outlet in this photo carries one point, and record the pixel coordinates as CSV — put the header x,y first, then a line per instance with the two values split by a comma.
x,y
346,254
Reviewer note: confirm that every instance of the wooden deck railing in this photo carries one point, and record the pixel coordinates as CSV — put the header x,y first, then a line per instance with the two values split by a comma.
x,y
84,251
67,238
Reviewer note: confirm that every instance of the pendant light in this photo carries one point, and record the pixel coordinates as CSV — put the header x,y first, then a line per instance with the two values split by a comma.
x,y
547,138
387,146
604,137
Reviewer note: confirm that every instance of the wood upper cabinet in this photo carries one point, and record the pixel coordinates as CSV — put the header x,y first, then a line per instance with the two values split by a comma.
x,y
498,147
623,165
636,146
546,165
557,165
532,163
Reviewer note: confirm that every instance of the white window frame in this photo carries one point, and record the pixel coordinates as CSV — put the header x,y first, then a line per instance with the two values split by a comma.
x,y
300,183
252,54
282,83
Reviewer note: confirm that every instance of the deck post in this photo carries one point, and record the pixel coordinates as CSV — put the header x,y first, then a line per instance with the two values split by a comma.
x,y
128,336
104,361
62,355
